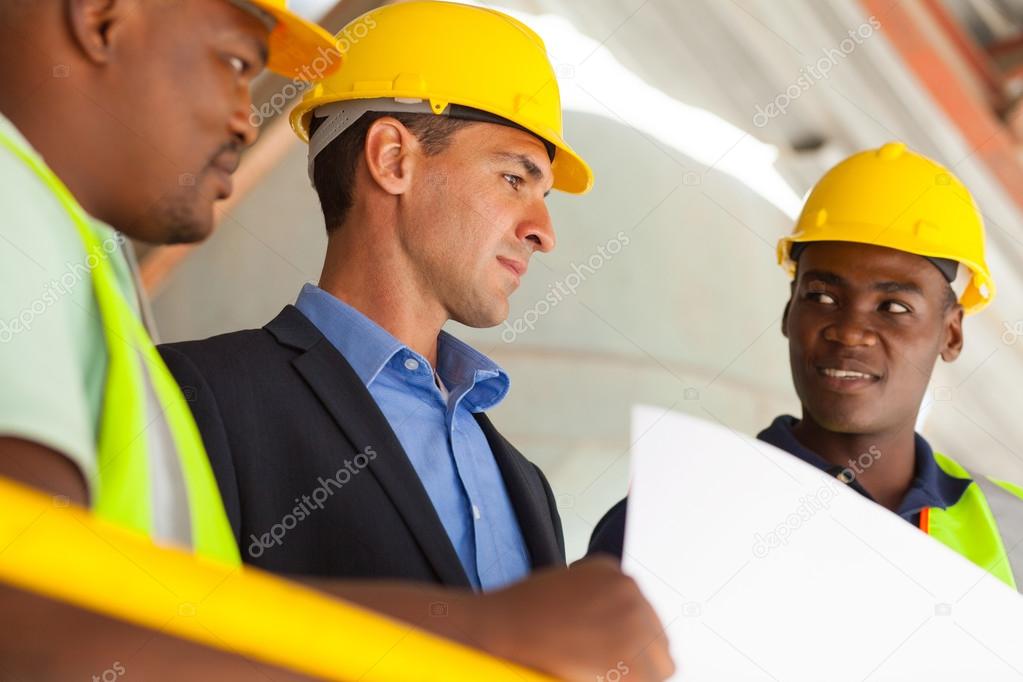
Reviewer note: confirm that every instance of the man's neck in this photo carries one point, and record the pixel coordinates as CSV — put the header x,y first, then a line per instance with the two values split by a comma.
x,y
883,463
41,104
377,285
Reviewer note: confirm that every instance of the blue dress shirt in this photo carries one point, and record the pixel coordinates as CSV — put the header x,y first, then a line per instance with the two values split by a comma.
x,y
437,430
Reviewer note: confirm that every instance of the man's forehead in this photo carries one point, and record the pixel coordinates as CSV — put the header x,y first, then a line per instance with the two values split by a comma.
x,y
226,16
512,138
849,263
518,145
857,257
237,19
260,14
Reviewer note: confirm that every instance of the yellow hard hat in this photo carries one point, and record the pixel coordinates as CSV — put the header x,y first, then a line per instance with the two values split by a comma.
x,y
447,56
896,198
298,47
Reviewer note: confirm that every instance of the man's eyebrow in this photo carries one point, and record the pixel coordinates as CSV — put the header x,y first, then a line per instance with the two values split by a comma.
x,y
898,287
267,20
890,287
532,170
824,276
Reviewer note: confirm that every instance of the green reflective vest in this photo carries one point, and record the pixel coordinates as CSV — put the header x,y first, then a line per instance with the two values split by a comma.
x,y
985,525
154,475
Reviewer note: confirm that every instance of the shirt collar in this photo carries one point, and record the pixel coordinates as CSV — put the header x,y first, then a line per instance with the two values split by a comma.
x,y
368,348
365,345
460,365
8,128
931,486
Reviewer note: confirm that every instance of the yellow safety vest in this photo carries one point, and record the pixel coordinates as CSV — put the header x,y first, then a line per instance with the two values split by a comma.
x,y
143,403
985,525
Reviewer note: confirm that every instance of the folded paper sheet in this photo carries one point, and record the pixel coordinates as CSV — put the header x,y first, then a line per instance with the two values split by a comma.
x,y
764,568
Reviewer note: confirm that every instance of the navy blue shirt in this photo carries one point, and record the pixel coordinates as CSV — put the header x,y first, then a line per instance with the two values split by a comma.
x,y
931,486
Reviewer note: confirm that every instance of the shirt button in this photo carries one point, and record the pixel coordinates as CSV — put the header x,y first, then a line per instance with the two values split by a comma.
x,y
412,364
476,513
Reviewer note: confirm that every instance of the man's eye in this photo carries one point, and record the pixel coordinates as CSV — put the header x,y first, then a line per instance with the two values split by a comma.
x,y
513,180
240,66
895,307
820,297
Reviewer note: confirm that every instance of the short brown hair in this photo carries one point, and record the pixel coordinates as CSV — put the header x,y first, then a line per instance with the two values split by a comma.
x,y
334,168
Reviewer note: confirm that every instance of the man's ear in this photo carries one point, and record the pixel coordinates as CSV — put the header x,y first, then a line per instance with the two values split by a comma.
x,y
785,313
391,155
92,24
953,344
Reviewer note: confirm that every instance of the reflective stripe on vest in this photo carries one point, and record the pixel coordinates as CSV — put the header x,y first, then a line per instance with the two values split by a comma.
x,y
154,474
985,525
1008,512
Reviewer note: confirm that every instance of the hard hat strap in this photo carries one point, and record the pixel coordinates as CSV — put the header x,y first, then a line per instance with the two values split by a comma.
x,y
340,116
962,280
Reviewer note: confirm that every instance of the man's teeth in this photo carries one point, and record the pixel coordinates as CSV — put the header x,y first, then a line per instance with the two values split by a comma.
x,y
845,374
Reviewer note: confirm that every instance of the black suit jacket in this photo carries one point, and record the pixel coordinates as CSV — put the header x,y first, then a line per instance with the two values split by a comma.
x,y
281,414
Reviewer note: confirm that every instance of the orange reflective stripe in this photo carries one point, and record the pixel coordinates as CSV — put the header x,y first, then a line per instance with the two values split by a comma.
x,y
925,520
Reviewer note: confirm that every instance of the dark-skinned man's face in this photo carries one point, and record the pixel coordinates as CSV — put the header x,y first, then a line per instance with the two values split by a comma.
x,y
180,83
865,326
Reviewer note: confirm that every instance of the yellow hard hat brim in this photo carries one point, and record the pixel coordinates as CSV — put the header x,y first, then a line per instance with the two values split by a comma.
x,y
571,173
299,48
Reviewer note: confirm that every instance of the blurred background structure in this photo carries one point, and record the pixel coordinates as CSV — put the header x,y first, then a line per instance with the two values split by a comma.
x,y
706,122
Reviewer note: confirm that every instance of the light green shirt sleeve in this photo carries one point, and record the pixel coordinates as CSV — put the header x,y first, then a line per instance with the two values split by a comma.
x,y
52,351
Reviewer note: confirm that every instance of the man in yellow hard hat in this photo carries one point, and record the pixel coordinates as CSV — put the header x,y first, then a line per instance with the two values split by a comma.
x,y
433,210
132,114
886,258
126,113
349,434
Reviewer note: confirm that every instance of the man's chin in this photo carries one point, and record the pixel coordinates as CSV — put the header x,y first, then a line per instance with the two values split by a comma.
x,y
191,233
179,220
847,423
483,319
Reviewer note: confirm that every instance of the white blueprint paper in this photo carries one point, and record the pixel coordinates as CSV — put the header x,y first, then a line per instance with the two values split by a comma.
x,y
764,568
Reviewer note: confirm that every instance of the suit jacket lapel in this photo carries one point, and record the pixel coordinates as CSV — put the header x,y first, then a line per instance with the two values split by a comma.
x,y
350,404
528,498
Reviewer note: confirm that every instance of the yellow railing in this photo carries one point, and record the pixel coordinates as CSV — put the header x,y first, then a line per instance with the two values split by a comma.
x,y
67,554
